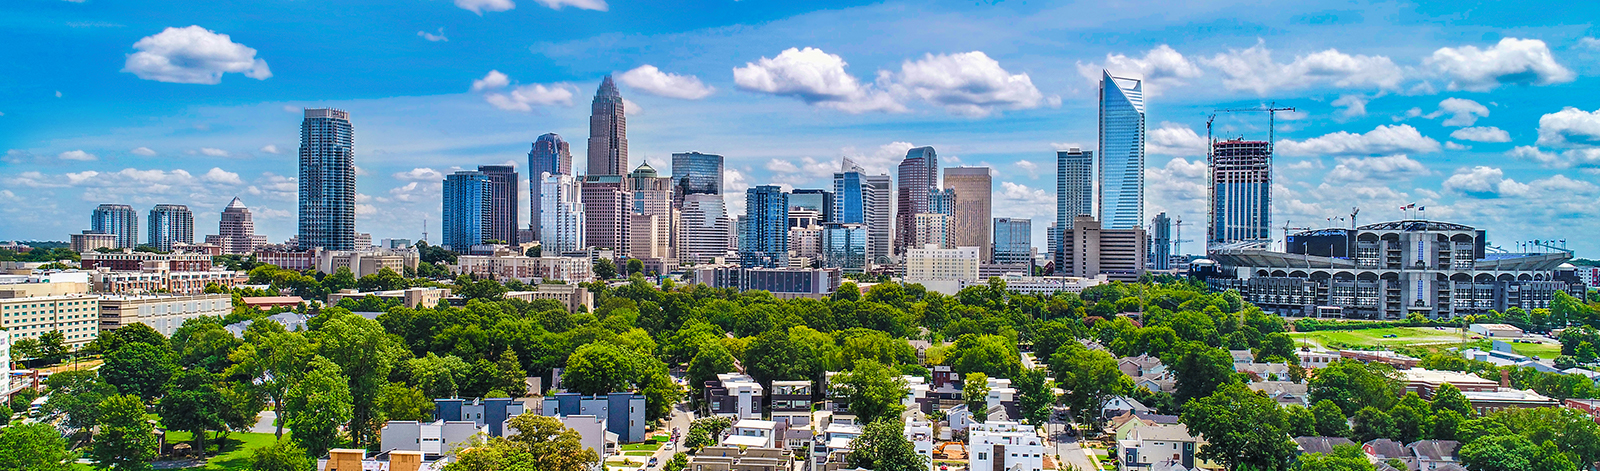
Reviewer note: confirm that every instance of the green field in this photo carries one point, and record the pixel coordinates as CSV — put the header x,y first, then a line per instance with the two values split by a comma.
x,y
1543,351
1404,337
235,453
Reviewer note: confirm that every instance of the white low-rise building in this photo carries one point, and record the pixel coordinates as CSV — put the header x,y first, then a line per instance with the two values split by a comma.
x,y
164,313
526,269
1005,445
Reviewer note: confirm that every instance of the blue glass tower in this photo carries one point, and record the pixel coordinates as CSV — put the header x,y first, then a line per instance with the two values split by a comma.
x,y
694,173
467,210
327,181
765,240
1121,204
549,155
1013,241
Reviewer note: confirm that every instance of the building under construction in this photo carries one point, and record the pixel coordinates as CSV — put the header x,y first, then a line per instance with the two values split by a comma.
x,y
1241,192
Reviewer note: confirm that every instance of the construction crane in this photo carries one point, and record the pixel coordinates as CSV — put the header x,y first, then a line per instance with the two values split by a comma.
x,y
1286,230
1272,109
1177,236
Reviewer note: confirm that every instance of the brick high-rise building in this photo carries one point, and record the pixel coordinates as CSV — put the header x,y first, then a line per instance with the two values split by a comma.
x,y
236,231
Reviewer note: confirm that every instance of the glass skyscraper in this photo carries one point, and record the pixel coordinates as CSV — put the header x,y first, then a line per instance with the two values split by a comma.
x,y
550,155
765,235
327,181
1121,152
1160,242
919,178
1013,241
844,246
505,191
467,206
820,201
694,173
1074,192
608,132
864,199
170,224
561,216
119,220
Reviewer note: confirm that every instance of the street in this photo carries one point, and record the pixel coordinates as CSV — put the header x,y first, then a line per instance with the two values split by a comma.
x,y
1068,448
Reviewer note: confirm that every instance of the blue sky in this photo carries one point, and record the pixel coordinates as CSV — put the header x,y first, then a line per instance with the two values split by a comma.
x,y
1484,114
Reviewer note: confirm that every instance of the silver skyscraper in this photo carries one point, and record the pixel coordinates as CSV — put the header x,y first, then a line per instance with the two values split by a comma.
x,y
1121,204
608,132
327,181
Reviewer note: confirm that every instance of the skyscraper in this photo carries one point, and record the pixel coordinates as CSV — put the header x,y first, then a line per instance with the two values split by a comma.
x,y
1013,241
919,178
117,219
327,181
468,204
652,235
817,200
1241,191
561,216
550,155
608,132
864,199
1121,152
705,229
1074,193
694,173
505,190
765,240
607,202
236,231
974,188
170,224
1160,242
844,245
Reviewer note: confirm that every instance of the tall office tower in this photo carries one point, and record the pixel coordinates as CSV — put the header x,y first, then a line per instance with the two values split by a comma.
x,y
327,181
505,189
844,245
560,213
1052,240
1013,241
817,200
704,228
694,173
974,188
1074,193
117,219
1121,152
170,224
1241,191
607,202
652,235
933,228
608,132
467,208
236,231
765,239
919,178
1160,242
1091,250
550,155
880,216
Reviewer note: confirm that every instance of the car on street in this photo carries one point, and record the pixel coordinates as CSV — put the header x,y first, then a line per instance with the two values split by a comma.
x,y
653,462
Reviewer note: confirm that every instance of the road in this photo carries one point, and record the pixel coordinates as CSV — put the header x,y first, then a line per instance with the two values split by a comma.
x,y
1068,448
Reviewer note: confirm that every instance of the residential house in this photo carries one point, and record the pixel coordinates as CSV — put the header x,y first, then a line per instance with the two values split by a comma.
x,y
1284,392
1150,446
1005,445
1322,445
1123,425
1123,404
735,396
791,406
1430,455
736,458
623,413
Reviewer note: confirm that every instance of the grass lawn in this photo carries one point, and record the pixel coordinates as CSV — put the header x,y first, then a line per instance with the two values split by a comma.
x,y
638,453
1404,337
1543,351
641,447
235,453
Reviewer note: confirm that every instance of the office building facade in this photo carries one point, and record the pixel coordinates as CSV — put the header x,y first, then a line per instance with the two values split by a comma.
x,y
505,189
705,231
859,198
1013,241
1122,136
608,131
654,220
765,239
1074,193
844,246
607,202
327,194
974,207
812,199
236,231
919,179
1088,250
1241,192
550,155
117,219
694,173
1160,242
561,218
170,224
933,229
467,209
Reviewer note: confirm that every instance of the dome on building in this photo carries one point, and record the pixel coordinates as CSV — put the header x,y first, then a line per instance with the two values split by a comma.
x,y
644,171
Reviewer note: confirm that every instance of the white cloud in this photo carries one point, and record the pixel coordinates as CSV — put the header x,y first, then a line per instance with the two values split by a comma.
x,y
1570,127
1162,67
1482,134
649,79
880,160
1463,112
1018,200
270,149
1176,139
1585,157
58,93
433,37
1028,166
1385,139
292,109
1354,105
420,174
521,98
1391,167
1452,145
218,175
1589,43
816,77
213,152
77,155
480,6
1253,69
192,55
1178,188
596,5
142,151
968,83
494,80
1510,62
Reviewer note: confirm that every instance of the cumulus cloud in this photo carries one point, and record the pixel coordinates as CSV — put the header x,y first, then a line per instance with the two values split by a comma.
x,y
1589,43
520,98
1028,166
596,5
649,79
1253,69
1510,62
1452,145
420,174
142,151
270,149
193,55
77,155
1391,167
1385,139
815,77
1162,67
1178,188
968,83
218,175
1354,105
1570,127
433,37
1023,201
480,6
1176,139
1463,112
1482,134
879,160
1586,157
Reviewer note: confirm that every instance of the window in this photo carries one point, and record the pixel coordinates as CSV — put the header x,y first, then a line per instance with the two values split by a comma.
x,y
983,456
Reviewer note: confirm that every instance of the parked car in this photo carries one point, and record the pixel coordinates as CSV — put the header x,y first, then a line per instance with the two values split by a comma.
x,y
653,462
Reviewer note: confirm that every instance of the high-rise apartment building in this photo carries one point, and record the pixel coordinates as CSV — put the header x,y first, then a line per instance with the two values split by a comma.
x,y
561,215
608,132
1160,242
704,230
1013,241
1074,193
117,219
817,200
919,178
694,173
864,199
933,229
974,207
467,208
1089,250
1122,135
550,155
505,190
1241,191
327,181
170,224
607,203
765,239
236,231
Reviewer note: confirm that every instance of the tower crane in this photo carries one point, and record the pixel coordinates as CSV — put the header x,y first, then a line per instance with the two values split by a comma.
x,y
1177,236
1272,109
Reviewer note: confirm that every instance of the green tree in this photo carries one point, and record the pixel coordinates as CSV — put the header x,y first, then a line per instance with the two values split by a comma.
x,y
1088,379
1372,424
1036,393
712,360
401,402
703,432
1277,347
1444,425
341,279
874,391
883,446
281,455
437,376
366,353
318,405
384,280
1449,397
34,447
535,251
78,394
1343,458
541,443
1242,428
975,392
52,346
192,402
635,266
1300,421
599,368
1199,369
993,355
126,440
1330,420
604,269
1411,418
204,343
794,355
1353,385
1513,453
273,359
138,368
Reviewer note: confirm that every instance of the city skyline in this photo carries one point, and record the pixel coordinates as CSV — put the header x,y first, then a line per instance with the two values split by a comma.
x,y
1470,123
